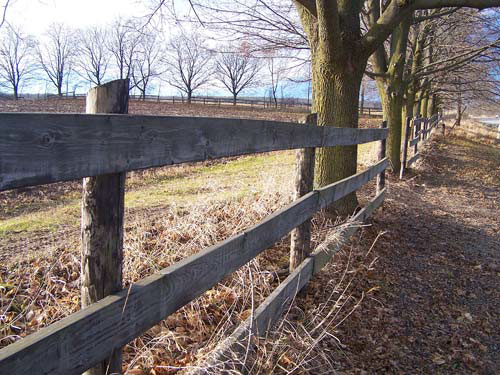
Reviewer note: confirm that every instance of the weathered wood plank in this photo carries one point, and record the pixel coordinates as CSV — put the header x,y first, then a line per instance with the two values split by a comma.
x,y
414,141
103,202
43,148
80,341
413,159
405,147
300,241
325,252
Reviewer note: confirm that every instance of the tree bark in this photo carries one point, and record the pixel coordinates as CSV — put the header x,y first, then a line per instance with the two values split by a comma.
x,y
430,105
102,221
423,105
391,89
337,74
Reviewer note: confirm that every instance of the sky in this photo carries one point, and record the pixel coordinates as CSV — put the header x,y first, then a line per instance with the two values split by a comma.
x,y
35,15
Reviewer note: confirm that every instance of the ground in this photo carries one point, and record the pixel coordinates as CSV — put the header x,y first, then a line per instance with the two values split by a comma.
x,y
415,292
437,300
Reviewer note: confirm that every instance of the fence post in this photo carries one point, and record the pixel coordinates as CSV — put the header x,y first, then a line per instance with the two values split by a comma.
x,y
102,221
381,155
416,126
300,245
405,147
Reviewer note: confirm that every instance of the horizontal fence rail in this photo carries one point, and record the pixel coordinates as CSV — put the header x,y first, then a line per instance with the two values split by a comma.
x,y
85,338
37,149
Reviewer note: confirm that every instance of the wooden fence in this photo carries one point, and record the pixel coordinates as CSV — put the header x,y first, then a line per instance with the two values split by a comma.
x,y
298,104
417,130
44,148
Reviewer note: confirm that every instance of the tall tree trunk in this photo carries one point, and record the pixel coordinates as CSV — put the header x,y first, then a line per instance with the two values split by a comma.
x,y
424,101
391,88
16,94
234,98
430,105
337,74
336,102
392,106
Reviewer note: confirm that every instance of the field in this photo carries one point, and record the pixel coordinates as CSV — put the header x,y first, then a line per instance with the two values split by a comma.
x,y
171,213
415,292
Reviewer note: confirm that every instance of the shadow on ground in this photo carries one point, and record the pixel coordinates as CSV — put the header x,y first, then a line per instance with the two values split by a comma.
x,y
436,309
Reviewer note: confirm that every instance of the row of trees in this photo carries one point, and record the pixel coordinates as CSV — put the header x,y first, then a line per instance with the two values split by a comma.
x,y
67,58
420,52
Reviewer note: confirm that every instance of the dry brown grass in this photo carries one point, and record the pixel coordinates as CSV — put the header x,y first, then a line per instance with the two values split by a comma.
x,y
475,130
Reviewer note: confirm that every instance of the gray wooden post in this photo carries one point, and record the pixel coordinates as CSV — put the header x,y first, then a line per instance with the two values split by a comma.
x,y
405,147
416,126
381,155
300,245
102,221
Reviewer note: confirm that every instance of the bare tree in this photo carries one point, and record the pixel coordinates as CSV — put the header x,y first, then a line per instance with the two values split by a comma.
x,y
122,42
56,52
16,62
237,70
93,56
277,70
147,64
189,65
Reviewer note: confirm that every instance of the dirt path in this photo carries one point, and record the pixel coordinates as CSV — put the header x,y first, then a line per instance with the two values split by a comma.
x,y
437,307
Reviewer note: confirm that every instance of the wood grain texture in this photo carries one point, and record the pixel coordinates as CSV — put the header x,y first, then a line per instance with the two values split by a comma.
x,y
43,148
103,201
405,147
325,251
300,242
85,338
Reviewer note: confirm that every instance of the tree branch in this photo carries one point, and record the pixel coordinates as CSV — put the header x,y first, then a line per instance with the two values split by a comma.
x,y
397,10
310,5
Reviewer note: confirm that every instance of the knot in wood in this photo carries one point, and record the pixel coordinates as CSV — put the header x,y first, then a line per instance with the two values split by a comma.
x,y
48,140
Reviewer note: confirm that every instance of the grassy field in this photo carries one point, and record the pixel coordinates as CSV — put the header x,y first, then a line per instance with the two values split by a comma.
x,y
46,210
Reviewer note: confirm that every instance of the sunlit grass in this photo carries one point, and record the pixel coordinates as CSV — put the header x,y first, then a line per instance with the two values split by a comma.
x,y
231,179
